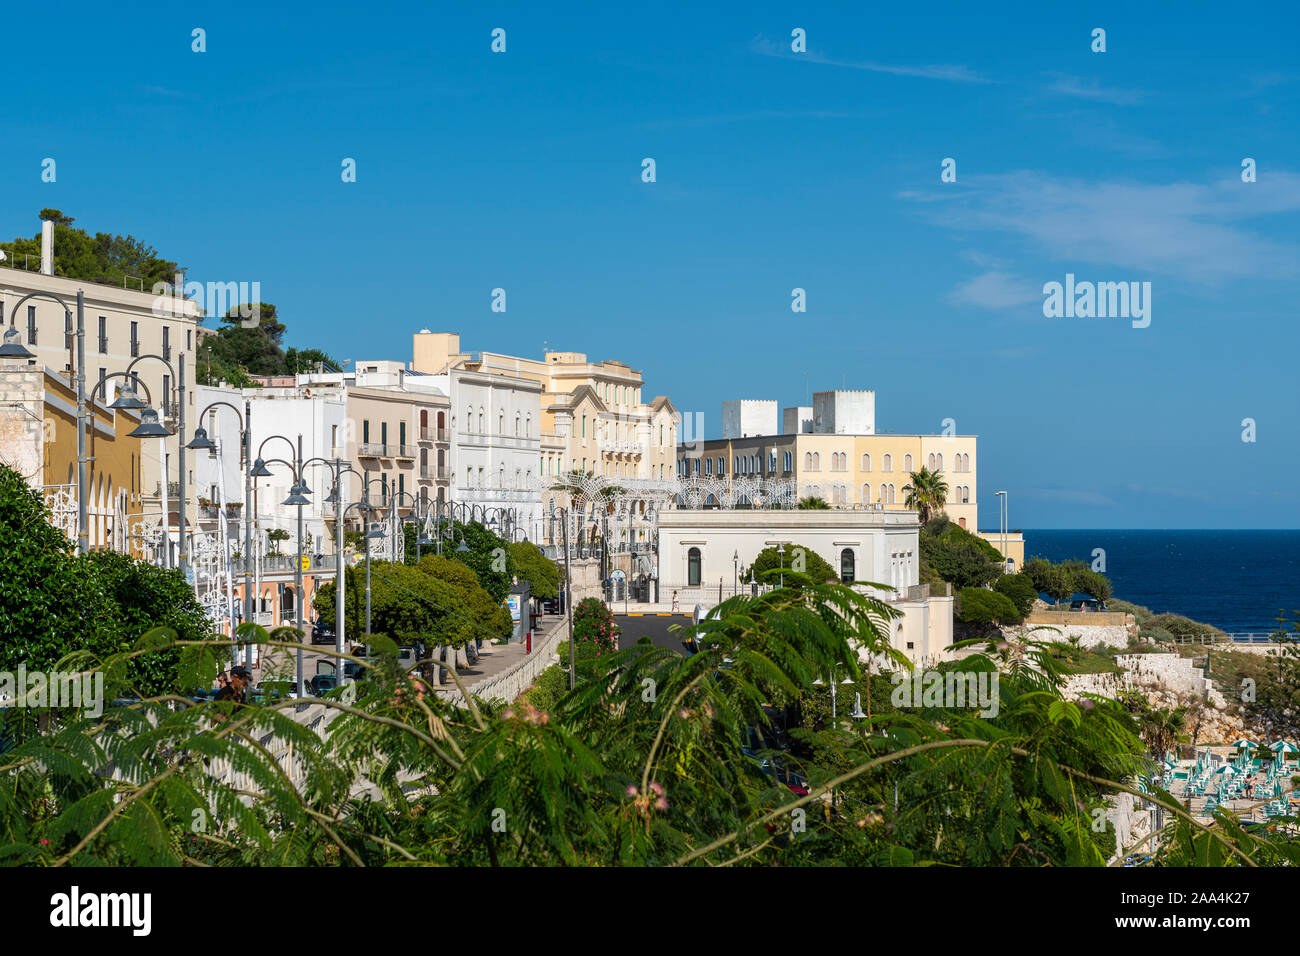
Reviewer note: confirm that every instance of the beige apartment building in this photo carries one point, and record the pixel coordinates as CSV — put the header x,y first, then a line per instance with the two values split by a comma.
x,y
120,325
593,417
866,470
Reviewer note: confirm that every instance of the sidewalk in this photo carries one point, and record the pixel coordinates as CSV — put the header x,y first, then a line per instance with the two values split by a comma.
x,y
495,659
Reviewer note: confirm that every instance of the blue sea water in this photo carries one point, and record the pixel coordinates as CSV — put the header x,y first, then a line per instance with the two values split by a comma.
x,y
1235,580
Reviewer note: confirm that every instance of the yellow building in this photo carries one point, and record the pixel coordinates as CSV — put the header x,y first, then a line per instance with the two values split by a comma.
x,y
38,437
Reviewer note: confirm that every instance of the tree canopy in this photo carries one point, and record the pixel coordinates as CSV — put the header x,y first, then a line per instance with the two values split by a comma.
x,y
103,257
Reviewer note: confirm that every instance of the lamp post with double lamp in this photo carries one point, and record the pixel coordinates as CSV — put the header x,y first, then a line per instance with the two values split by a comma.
x,y
297,498
780,550
1002,523
178,372
335,498
735,565
848,681
13,348
200,441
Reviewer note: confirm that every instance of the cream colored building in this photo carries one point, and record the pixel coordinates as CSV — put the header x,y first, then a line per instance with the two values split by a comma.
x,y
120,325
849,471
593,419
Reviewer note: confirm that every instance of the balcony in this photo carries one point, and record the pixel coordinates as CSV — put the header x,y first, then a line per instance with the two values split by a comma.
x,y
433,434
403,451
374,451
430,473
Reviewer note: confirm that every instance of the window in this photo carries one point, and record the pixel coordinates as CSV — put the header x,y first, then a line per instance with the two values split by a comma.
x,y
939,461
866,494
584,427
383,436
401,434
501,423
103,334
528,426
167,347
31,325
807,461
789,461
817,461
661,434
165,400
697,468
708,466
365,432
907,463
887,463
401,485
693,569
735,466
135,340
847,564
100,392
188,333
722,465
866,462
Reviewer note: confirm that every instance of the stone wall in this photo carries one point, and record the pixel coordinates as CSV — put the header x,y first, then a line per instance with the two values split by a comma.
x,y
1090,635
512,682
22,407
586,578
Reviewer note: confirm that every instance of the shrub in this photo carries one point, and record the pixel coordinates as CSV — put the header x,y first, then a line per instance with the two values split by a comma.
x,y
594,629
768,566
957,556
979,606
1019,590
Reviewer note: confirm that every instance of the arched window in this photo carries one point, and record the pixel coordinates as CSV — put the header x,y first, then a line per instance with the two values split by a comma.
x,y
887,463
866,462
469,419
817,461
528,426
866,494
693,567
961,522
807,461
847,566
929,462
517,432
907,464
938,461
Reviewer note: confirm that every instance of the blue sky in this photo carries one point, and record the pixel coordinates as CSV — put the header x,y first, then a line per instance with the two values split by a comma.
x,y
775,170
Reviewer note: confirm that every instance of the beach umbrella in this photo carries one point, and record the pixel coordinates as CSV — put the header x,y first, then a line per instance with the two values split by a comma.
x,y
1277,788
1243,743
1283,746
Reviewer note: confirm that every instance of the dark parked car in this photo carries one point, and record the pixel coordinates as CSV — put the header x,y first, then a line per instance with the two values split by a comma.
x,y
321,684
1087,604
320,634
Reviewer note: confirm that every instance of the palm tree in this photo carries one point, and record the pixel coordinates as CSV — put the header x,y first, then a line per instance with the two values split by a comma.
x,y
813,504
926,493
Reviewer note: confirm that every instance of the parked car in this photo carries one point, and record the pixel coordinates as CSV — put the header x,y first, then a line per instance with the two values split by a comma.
x,y
1087,604
321,684
320,634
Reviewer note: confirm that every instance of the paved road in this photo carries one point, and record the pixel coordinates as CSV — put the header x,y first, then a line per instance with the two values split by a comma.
x,y
634,626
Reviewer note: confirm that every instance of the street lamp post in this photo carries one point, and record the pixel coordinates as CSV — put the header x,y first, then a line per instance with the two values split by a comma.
x,y
13,348
177,370
735,580
1002,524
780,550
201,440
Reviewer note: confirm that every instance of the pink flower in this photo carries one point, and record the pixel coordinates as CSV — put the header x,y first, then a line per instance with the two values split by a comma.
x,y
658,788
631,791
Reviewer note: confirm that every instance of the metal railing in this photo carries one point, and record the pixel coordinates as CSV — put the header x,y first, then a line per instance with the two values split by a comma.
x,y
370,450
433,434
404,451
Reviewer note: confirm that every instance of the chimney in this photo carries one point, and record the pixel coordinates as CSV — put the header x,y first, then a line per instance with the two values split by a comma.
x,y
47,247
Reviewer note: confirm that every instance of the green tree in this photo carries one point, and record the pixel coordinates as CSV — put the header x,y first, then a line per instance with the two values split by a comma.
x,y
103,257
1054,580
980,606
770,566
951,553
926,493
813,503
531,565
1020,590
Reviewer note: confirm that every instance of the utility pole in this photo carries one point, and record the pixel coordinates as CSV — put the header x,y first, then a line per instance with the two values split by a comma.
x,y
297,582
339,588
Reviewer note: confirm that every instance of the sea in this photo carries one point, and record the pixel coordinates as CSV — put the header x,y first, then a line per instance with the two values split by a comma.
x,y
1234,580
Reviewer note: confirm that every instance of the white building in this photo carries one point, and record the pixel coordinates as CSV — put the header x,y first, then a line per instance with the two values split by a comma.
x,y
744,417
844,412
797,420
700,552
496,443
319,418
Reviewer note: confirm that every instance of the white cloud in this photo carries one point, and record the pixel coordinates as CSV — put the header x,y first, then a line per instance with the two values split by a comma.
x,y
1192,231
952,72
1092,90
996,290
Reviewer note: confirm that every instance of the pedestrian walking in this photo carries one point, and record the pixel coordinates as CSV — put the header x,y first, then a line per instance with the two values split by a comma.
x,y
676,606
